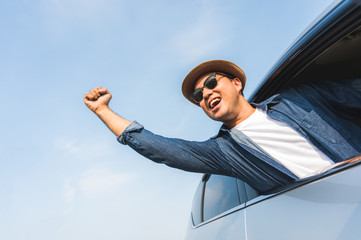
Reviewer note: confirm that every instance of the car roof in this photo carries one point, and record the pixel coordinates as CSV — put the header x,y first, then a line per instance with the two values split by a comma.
x,y
325,43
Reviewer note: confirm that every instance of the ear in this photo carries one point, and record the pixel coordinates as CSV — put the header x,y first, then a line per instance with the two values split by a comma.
x,y
238,83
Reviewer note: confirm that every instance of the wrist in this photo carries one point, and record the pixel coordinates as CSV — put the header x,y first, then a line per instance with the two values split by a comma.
x,y
101,110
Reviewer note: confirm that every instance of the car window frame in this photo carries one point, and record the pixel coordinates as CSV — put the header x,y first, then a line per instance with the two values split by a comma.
x,y
220,215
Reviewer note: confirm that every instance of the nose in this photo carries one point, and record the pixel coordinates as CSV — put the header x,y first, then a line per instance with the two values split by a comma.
x,y
207,92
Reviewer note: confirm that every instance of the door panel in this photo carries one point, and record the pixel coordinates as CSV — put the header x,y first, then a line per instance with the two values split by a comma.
x,y
229,227
326,209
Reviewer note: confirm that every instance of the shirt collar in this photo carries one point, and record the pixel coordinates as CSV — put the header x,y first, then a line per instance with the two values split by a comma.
x,y
275,99
221,131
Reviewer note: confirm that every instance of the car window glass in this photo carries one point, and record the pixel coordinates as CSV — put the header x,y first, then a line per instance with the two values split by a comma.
x,y
220,195
241,191
197,205
251,193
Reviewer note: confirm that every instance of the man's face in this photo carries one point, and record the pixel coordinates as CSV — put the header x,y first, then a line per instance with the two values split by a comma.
x,y
224,102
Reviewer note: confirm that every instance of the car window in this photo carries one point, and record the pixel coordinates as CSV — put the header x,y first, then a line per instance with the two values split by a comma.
x,y
251,193
197,204
241,191
220,195
246,192
216,194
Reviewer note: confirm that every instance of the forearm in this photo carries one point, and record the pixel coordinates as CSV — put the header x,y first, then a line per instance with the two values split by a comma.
x,y
97,100
113,121
177,153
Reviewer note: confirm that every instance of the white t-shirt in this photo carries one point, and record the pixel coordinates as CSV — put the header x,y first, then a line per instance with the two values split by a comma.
x,y
284,144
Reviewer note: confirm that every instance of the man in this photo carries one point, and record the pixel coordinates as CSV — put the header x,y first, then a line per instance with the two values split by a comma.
x,y
290,136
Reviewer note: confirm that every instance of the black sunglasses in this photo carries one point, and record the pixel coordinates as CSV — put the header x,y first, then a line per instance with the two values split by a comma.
x,y
210,83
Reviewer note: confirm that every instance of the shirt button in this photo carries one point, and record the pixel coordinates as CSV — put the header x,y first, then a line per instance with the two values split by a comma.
x,y
270,111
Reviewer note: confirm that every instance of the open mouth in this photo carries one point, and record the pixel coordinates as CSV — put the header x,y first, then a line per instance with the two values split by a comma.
x,y
214,102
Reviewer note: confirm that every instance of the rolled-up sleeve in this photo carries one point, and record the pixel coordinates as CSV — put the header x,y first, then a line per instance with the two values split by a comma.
x,y
125,136
192,156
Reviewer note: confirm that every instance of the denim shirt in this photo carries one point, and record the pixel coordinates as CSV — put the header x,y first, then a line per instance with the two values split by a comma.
x,y
319,112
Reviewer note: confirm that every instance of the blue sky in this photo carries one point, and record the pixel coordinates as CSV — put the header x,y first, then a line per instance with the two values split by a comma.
x,y
63,175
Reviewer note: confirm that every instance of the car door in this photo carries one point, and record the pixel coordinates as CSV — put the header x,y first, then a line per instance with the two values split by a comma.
x,y
328,208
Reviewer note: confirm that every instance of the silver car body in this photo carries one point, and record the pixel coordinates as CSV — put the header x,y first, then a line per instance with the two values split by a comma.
x,y
328,207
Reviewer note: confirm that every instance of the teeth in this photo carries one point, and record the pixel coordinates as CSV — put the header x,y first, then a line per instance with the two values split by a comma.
x,y
211,104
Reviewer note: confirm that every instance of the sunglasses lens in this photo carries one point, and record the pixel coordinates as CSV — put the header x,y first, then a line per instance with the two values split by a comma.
x,y
211,83
197,95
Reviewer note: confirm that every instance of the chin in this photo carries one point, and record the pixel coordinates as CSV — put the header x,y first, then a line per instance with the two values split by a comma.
x,y
218,116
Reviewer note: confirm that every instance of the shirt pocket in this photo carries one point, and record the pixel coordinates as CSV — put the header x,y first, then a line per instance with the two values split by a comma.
x,y
318,127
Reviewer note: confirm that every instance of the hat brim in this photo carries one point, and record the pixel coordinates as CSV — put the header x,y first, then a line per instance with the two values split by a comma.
x,y
209,67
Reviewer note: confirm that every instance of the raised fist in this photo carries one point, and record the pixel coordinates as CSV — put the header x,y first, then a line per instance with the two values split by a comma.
x,y
97,99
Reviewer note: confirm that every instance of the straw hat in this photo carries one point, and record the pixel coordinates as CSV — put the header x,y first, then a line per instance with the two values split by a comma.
x,y
210,67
